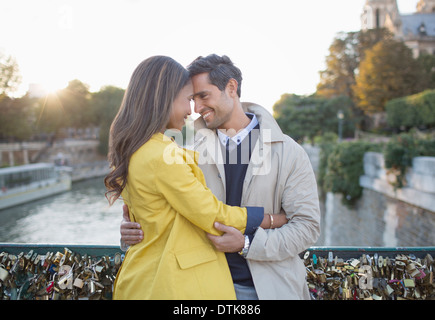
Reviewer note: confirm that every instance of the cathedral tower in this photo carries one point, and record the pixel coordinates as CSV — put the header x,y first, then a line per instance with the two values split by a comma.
x,y
380,14
416,30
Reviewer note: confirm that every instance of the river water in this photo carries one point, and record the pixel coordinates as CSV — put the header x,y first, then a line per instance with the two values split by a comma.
x,y
79,216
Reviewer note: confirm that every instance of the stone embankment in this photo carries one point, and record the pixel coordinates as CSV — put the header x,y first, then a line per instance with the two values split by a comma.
x,y
81,155
384,216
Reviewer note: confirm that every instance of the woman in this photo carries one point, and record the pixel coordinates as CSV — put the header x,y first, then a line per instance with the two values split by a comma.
x,y
166,193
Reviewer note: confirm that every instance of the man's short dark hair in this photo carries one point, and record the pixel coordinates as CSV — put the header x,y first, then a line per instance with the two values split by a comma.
x,y
220,70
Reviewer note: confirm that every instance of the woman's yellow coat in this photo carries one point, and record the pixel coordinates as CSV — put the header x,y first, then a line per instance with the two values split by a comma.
x,y
166,193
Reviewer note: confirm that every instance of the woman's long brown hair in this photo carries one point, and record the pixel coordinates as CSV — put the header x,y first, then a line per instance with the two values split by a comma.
x,y
144,111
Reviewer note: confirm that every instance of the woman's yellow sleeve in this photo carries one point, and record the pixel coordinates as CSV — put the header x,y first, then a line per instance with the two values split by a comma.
x,y
177,182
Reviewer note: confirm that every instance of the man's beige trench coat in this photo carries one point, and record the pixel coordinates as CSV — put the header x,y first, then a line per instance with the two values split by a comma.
x,y
279,175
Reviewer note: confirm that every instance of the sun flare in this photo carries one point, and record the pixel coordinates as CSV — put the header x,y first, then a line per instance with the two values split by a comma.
x,y
52,86
43,88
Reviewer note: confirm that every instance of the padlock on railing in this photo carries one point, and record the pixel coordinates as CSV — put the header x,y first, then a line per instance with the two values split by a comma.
x,y
370,277
57,276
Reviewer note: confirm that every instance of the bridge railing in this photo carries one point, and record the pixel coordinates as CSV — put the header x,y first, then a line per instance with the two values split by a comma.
x,y
87,272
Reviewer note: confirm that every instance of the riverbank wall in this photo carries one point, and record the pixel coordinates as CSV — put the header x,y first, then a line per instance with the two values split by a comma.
x,y
80,154
384,216
89,170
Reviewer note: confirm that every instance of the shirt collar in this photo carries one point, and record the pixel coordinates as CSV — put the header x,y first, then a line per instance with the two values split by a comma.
x,y
242,134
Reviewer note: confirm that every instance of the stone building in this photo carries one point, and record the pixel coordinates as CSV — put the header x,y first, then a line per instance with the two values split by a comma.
x,y
416,30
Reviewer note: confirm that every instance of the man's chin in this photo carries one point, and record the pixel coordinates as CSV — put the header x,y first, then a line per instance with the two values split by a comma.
x,y
210,125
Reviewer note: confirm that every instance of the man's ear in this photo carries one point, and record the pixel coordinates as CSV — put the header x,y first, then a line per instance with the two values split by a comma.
x,y
231,88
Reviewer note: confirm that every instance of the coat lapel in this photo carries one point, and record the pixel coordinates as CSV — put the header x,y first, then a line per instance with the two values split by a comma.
x,y
207,145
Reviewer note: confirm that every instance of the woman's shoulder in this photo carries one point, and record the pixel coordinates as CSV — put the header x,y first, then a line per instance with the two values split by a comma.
x,y
158,157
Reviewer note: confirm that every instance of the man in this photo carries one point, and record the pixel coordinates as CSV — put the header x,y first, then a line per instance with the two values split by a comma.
x,y
248,161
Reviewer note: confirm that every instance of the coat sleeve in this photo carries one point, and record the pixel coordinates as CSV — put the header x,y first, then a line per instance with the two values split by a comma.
x,y
177,182
301,203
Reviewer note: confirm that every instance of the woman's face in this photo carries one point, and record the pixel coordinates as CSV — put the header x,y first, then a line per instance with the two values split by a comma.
x,y
181,107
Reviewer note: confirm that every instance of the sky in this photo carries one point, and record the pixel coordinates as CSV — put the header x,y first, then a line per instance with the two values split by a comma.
x,y
280,45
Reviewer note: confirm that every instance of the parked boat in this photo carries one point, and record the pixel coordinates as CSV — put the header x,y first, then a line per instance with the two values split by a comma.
x,y
30,182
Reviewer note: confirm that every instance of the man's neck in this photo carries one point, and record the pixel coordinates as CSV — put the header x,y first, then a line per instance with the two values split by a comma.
x,y
238,121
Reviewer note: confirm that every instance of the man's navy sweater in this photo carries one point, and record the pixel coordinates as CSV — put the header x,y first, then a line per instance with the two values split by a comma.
x,y
236,163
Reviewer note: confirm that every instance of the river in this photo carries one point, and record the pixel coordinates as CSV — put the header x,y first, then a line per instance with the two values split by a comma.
x,y
79,216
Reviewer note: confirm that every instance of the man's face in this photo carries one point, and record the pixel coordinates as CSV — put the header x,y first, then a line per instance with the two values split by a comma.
x,y
214,106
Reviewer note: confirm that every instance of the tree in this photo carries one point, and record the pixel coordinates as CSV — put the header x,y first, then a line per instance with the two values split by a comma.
x,y
17,118
415,111
66,108
345,167
345,54
296,115
388,71
50,115
342,64
75,102
9,75
427,62
105,105
306,117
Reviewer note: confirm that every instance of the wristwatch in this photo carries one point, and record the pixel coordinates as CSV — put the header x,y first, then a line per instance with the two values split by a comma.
x,y
245,249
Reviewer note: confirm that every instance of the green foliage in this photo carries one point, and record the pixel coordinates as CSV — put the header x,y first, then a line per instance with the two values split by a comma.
x,y
345,54
17,118
371,68
412,111
427,61
401,149
106,103
344,167
388,71
76,107
426,147
72,107
67,108
75,100
306,117
298,117
10,77
327,143
341,164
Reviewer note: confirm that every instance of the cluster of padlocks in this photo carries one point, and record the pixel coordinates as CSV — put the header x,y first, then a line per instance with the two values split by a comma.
x,y
71,276
57,276
370,277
